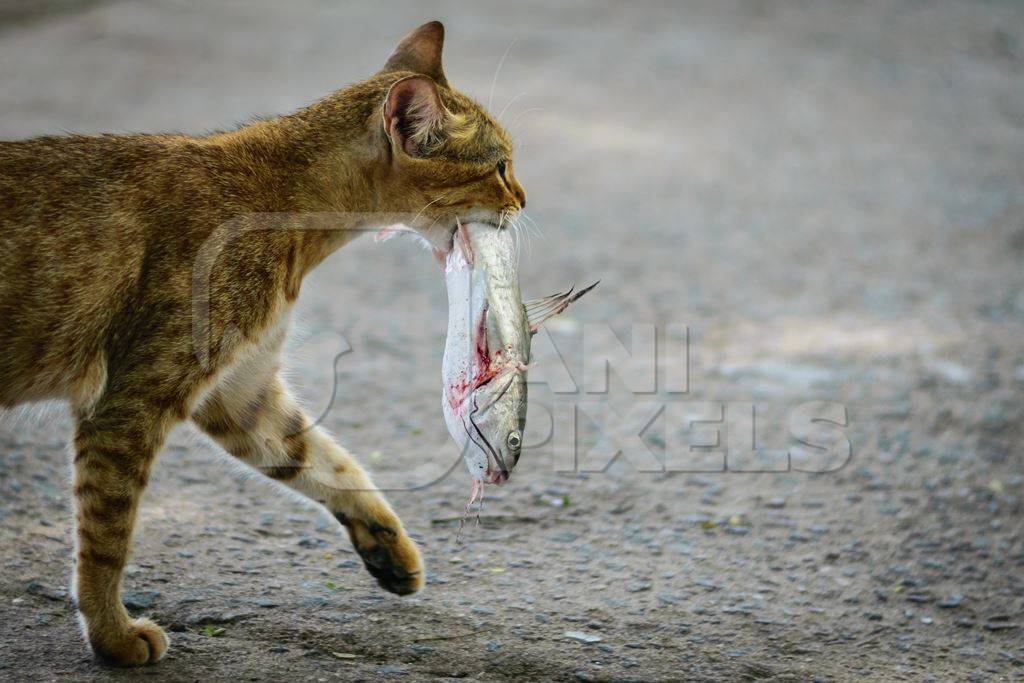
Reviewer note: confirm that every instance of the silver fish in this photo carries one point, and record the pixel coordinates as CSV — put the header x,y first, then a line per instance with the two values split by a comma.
x,y
487,351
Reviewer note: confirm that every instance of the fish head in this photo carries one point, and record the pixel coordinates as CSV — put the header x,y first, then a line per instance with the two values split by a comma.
x,y
495,427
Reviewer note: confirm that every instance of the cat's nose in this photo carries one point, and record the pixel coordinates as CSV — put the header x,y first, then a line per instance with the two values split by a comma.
x,y
520,196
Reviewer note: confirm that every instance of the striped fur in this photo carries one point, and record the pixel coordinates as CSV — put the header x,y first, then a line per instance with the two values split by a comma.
x,y
100,241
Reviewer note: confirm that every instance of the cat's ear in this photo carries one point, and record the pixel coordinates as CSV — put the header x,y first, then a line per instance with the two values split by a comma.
x,y
420,52
413,113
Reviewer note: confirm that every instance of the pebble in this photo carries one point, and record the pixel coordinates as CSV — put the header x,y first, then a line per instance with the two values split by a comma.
x,y
582,637
140,599
950,602
215,617
393,670
44,591
999,626
422,649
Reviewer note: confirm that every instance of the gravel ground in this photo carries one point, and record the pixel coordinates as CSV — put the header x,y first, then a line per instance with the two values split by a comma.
x,y
828,196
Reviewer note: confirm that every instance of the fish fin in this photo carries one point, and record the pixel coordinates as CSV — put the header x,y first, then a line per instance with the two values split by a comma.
x,y
495,389
539,311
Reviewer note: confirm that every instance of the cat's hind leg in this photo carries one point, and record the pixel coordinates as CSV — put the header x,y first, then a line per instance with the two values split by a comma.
x,y
260,423
114,451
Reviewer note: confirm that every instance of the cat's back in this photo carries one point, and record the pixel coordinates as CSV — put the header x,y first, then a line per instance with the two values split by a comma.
x,y
70,240
75,174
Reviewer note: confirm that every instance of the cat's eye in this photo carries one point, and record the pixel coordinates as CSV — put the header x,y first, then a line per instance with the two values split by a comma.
x,y
501,171
514,440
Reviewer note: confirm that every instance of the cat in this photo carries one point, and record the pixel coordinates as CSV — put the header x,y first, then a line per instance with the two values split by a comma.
x,y
101,238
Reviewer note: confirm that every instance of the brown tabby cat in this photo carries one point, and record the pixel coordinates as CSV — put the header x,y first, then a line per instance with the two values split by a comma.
x,y
99,241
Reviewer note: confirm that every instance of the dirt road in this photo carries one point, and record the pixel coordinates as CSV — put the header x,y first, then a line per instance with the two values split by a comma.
x,y
828,196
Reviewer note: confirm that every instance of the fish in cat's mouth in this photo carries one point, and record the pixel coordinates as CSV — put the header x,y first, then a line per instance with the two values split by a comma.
x,y
487,349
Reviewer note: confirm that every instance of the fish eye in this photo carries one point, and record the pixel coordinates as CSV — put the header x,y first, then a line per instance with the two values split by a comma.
x,y
514,440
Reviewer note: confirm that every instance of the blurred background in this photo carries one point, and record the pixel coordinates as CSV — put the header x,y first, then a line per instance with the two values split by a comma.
x,y
826,195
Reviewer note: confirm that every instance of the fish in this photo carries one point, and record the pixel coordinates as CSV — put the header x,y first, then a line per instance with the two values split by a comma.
x,y
487,350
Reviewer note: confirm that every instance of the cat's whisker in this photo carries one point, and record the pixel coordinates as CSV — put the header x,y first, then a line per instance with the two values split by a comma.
x,y
531,225
497,70
425,207
517,233
509,104
523,113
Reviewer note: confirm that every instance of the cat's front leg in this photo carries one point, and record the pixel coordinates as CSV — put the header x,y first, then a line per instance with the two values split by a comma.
x,y
114,451
262,425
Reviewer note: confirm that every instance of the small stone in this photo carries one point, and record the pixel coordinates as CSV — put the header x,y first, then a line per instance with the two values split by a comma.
x,y
140,599
950,602
422,649
392,670
205,618
44,591
582,637
639,587
999,626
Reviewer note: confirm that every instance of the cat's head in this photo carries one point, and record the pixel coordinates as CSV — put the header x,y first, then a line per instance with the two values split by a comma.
x,y
447,157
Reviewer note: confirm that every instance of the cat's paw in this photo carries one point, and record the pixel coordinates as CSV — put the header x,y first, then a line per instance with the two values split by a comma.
x,y
389,554
142,642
